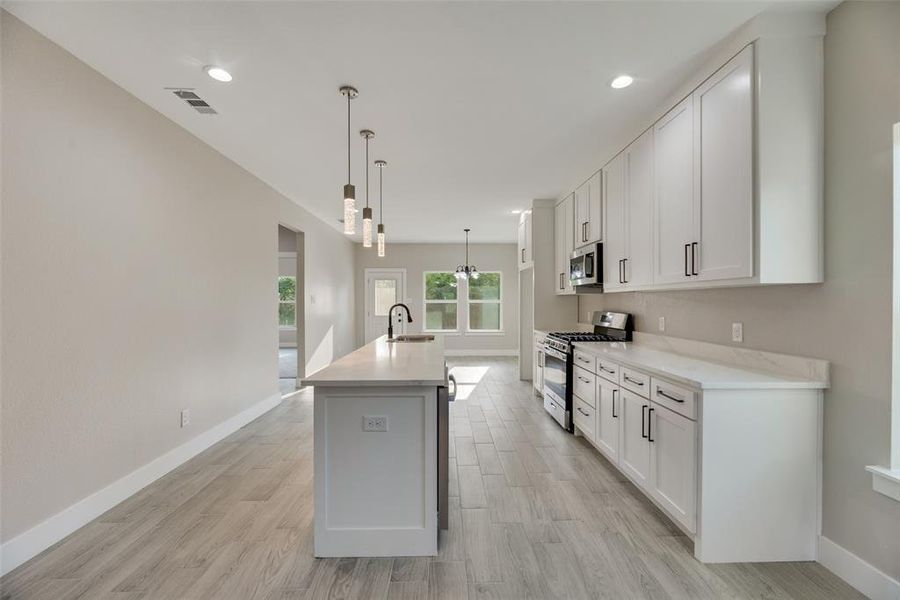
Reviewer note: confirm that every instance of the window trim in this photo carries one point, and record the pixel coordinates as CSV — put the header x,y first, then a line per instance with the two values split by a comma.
x,y
426,302
498,302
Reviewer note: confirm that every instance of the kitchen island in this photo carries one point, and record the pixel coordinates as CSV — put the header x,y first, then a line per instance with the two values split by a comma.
x,y
378,417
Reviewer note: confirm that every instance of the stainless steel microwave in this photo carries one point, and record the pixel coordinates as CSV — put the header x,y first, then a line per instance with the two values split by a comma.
x,y
586,268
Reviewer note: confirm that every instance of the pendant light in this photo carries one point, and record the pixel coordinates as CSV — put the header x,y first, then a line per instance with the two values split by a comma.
x,y
381,165
350,93
367,212
466,271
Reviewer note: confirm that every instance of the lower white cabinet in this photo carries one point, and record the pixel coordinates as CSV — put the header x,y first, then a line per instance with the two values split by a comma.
x,y
634,449
537,374
608,408
672,441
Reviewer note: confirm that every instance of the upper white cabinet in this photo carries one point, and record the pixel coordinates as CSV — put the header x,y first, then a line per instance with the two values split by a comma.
x,y
565,244
673,212
525,255
614,247
589,211
722,247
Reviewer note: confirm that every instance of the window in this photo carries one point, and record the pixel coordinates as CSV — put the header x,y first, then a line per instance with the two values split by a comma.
x,y
287,301
485,312
385,296
440,301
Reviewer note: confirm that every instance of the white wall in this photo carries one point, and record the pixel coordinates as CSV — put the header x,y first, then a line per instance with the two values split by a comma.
x,y
846,320
418,258
138,274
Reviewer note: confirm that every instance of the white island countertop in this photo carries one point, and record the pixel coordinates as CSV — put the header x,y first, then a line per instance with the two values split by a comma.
x,y
383,363
692,371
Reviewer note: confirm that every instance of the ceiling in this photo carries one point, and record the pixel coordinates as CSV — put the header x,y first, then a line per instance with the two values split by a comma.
x,y
478,108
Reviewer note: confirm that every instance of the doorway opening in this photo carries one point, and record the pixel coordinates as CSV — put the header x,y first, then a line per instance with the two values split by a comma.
x,y
291,310
384,288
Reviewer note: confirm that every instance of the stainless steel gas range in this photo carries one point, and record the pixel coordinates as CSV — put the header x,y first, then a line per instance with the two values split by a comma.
x,y
559,356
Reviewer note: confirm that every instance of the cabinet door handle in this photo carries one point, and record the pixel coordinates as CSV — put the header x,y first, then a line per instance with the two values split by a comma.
x,y
624,278
650,425
644,421
583,359
620,272
560,281
583,379
659,392
523,255
686,272
694,258
579,408
615,416
626,377
604,369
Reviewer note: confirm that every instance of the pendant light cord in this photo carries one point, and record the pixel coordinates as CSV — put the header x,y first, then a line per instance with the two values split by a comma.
x,y
367,171
348,137
381,195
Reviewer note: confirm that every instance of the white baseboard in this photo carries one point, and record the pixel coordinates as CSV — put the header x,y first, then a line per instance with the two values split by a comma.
x,y
857,572
40,537
481,352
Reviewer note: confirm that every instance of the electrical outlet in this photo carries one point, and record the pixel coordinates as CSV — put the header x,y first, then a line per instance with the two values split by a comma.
x,y
186,417
375,423
662,323
737,332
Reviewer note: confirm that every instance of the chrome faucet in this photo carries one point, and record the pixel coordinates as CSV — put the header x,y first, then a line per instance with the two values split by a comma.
x,y
391,321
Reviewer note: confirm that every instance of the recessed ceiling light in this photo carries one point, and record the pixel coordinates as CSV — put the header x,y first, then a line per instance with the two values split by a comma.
x,y
217,73
622,81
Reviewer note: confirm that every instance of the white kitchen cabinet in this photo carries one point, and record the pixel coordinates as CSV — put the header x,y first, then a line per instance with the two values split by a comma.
x,y
608,408
722,247
525,254
634,449
589,211
565,243
614,242
673,465
673,213
636,269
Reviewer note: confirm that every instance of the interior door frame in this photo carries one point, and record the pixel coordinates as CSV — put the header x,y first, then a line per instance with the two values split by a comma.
x,y
401,295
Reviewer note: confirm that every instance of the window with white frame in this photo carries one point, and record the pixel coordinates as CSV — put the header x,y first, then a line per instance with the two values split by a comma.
x,y
441,301
485,296
287,301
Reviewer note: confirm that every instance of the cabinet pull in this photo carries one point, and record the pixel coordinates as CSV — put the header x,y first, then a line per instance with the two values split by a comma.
x,y
523,255
686,272
624,279
560,281
583,359
659,392
626,377
650,425
615,416
620,272
694,258
602,368
643,421
583,379
579,408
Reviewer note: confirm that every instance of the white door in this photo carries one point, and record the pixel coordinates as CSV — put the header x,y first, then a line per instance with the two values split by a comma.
x,y
673,215
559,239
634,457
595,208
723,172
614,243
672,463
384,288
582,213
608,407
569,245
638,210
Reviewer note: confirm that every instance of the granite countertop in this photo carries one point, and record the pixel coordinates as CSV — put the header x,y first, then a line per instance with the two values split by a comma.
x,y
695,372
383,363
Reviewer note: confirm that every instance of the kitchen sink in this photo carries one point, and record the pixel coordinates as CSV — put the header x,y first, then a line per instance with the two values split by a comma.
x,y
412,338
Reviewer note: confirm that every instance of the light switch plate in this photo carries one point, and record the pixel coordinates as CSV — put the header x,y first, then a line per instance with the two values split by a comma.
x,y
662,323
737,332
185,417
375,423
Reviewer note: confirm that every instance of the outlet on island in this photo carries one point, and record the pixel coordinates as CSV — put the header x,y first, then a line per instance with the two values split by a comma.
x,y
375,423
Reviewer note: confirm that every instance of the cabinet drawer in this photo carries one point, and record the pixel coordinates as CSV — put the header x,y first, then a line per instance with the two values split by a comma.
x,y
678,398
636,381
608,370
585,418
585,361
584,385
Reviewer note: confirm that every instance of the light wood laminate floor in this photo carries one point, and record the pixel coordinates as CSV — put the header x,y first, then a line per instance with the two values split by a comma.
x,y
535,513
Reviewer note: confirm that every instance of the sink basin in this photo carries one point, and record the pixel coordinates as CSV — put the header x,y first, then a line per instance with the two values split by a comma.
x,y
412,338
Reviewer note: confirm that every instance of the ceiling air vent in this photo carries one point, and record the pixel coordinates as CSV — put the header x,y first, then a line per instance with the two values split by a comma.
x,y
194,101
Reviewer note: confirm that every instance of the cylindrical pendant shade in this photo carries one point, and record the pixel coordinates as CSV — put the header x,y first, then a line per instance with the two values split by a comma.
x,y
349,216
367,227
380,240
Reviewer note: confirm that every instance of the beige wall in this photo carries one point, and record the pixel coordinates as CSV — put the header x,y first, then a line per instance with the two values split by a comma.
x,y
138,274
846,320
418,258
